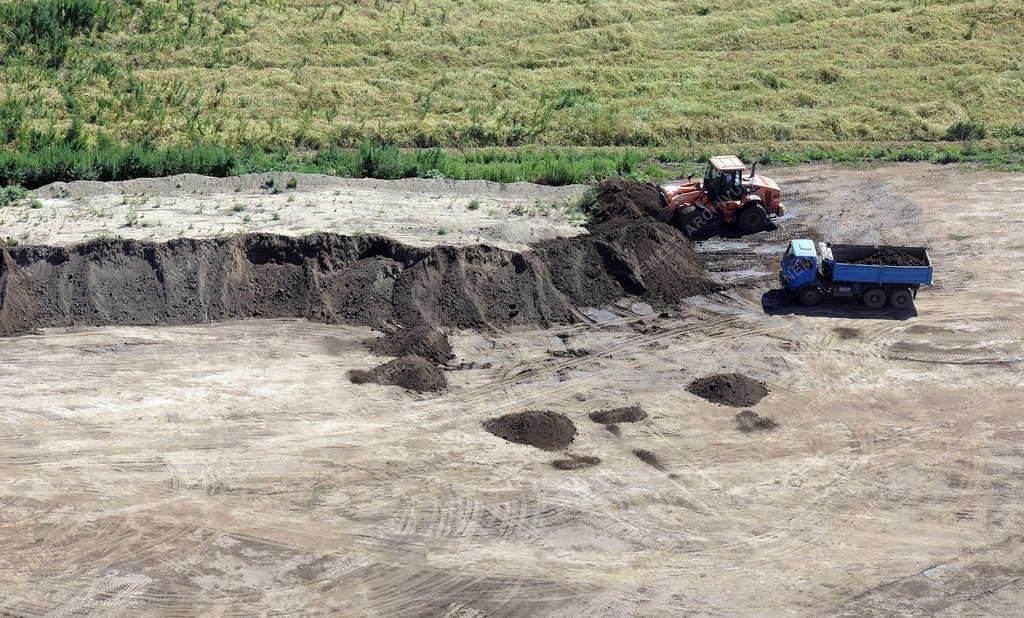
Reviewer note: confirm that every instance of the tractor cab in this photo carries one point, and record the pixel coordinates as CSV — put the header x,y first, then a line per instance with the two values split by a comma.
x,y
723,177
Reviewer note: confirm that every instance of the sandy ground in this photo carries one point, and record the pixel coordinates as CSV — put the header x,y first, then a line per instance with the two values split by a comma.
x,y
414,211
232,469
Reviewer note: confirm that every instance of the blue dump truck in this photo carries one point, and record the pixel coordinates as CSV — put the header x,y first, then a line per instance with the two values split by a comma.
x,y
872,274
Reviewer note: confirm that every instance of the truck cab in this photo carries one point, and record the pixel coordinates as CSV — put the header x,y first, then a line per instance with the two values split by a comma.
x,y
799,265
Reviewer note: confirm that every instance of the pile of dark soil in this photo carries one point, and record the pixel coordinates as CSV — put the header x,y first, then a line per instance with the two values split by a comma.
x,y
730,389
545,430
615,199
649,458
631,414
575,462
364,279
748,420
420,340
410,372
890,257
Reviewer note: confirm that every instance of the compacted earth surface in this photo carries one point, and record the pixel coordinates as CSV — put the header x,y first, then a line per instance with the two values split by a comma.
x,y
181,434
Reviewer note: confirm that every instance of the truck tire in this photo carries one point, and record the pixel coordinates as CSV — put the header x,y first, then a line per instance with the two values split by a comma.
x,y
873,298
901,298
752,218
810,296
692,221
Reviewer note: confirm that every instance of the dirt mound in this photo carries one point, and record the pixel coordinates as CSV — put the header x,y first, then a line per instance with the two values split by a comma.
x,y
420,340
649,458
575,462
616,198
631,414
748,420
625,257
730,389
545,430
410,372
890,257
364,279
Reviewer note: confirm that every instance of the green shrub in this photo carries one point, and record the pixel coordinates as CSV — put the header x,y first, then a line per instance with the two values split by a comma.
x,y
473,205
11,194
964,130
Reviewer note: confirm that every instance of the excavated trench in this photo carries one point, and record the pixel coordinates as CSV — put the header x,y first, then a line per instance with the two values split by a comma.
x,y
361,279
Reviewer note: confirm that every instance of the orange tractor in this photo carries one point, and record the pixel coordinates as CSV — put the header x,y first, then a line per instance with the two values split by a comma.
x,y
725,197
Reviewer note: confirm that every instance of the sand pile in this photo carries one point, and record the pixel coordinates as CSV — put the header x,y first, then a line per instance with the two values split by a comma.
x,y
545,430
420,340
410,372
730,389
363,279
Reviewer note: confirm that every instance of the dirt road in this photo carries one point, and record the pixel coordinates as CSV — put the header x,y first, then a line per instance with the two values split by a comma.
x,y
233,469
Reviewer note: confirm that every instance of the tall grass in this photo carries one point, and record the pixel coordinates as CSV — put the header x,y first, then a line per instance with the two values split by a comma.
x,y
313,75
45,27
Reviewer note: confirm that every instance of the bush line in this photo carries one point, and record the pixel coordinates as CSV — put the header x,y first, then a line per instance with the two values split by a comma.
x,y
67,163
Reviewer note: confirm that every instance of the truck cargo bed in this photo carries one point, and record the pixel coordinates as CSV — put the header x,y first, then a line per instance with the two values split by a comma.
x,y
844,270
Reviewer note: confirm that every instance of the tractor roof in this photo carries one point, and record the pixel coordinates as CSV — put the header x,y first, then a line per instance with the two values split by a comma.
x,y
727,163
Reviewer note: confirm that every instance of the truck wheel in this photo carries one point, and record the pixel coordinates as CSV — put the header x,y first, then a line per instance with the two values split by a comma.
x,y
752,219
901,298
692,221
810,296
874,298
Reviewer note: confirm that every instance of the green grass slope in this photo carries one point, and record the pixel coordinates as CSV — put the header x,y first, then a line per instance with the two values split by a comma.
x,y
313,74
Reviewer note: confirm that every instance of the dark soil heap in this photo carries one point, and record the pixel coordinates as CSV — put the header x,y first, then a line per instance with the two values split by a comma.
x,y
420,340
545,430
410,372
575,462
616,199
730,389
748,420
632,414
649,458
890,257
364,279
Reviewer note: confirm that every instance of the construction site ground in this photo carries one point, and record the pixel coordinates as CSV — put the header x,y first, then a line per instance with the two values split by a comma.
x,y
232,468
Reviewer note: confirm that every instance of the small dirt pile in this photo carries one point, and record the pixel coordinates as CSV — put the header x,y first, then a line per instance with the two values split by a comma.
x,y
729,389
631,414
544,430
890,257
420,340
748,420
575,462
649,458
410,372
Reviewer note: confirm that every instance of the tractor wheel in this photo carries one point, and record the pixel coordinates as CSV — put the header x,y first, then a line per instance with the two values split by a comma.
x,y
692,221
752,219
810,296
874,298
901,299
